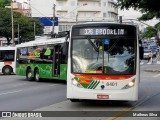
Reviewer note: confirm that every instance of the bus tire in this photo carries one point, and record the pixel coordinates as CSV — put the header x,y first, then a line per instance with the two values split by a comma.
x,y
7,70
36,75
29,75
74,100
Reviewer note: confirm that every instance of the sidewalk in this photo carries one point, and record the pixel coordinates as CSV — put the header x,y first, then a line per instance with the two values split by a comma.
x,y
152,68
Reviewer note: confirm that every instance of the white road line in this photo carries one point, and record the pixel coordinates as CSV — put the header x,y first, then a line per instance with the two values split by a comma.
x,y
156,75
18,84
52,85
10,92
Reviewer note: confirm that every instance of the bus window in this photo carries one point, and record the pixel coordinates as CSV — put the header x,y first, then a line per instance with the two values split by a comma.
x,y
87,56
119,57
7,55
47,52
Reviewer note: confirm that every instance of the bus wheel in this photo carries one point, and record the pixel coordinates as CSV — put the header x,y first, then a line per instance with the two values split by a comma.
x,y
36,76
7,70
74,100
29,75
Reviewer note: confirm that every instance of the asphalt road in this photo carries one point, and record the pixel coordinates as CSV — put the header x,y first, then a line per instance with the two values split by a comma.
x,y
149,97
17,94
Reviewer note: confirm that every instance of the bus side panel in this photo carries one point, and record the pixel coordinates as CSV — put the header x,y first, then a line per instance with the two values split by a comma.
x,y
63,71
21,69
1,67
45,70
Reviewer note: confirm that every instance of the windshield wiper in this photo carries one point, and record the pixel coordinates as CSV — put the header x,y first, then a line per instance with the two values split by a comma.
x,y
113,46
93,45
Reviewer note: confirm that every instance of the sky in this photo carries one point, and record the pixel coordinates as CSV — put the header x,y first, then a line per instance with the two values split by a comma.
x,y
132,14
128,14
20,0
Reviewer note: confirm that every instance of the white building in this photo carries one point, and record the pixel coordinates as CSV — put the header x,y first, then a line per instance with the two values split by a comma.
x,y
3,41
26,4
70,12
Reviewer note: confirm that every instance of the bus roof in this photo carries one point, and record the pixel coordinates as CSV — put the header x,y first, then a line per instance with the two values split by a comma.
x,y
7,48
42,42
101,22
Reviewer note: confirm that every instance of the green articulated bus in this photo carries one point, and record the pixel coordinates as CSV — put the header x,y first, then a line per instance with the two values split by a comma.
x,y
45,58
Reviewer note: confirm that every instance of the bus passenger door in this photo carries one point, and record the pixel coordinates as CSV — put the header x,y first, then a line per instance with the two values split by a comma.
x,y
57,60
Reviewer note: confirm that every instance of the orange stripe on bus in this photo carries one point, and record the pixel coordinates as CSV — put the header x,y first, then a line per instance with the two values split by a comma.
x,y
103,77
84,81
8,63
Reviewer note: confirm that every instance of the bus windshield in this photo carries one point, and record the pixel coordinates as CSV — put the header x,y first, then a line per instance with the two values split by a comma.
x,y
103,56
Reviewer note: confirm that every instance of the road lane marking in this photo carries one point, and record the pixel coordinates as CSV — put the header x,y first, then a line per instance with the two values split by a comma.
x,y
156,75
10,92
18,84
52,85
125,111
129,109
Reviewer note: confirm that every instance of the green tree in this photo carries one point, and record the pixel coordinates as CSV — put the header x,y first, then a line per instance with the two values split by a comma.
x,y
26,26
149,8
4,3
150,32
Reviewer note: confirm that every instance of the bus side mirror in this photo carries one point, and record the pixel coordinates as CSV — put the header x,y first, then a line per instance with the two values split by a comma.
x,y
141,52
65,51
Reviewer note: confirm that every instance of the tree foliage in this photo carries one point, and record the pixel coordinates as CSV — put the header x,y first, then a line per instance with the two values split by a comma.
x,y
149,8
4,3
150,32
26,26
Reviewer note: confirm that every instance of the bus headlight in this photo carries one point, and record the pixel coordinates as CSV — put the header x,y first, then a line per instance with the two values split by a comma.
x,y
76,83
129,85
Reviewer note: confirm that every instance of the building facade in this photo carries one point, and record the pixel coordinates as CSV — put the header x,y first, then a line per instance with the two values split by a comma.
x,y
71,12
23,8
75,11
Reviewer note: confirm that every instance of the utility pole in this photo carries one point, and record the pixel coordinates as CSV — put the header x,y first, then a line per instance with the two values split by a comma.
x,y
120,19
18,33
34,30
13,42
54,9
77,18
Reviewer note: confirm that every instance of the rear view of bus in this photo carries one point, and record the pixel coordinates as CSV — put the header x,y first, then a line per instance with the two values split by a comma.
x,y
103,62
7,60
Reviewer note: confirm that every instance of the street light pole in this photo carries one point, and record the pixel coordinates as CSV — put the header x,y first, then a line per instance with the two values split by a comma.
x,y
13,42
77,18
34,30
120,19
54,8
18,33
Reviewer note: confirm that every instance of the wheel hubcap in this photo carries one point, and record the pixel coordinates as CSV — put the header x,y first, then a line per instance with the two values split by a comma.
x,y
6,70
29,75
37,76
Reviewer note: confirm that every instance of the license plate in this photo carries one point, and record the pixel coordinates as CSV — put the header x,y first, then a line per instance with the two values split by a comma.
x,y
102,96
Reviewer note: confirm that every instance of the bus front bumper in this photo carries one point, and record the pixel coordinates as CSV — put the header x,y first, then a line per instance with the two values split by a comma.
x,y
130,94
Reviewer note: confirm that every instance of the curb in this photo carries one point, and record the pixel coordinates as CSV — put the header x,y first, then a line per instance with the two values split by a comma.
x,y
152,70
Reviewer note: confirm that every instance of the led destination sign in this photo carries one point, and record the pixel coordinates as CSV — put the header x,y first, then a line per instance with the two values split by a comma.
x,y
104,31
101,31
